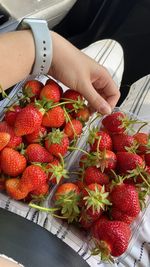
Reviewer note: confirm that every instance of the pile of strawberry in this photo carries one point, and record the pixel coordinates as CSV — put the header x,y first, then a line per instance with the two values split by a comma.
x,y
35,135
112,184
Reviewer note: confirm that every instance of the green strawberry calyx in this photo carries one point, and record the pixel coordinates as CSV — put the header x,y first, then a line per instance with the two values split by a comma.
x,y
96,199
102,249
55,137
69,205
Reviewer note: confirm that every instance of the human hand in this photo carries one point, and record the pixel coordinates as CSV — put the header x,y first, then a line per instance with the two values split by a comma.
x,y
83,74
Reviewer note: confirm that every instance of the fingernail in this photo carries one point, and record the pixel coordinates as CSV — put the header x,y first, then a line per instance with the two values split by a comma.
x,y
105,109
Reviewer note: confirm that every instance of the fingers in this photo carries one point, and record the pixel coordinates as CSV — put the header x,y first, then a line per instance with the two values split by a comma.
x,y
107,88
96,101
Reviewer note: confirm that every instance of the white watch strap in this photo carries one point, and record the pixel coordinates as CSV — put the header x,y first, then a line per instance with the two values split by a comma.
x,y
43,44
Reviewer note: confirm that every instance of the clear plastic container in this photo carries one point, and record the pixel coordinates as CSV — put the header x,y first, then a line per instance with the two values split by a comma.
x,y
78,240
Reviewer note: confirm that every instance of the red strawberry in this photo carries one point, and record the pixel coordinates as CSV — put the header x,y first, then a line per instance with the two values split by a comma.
x,y
54,117
38,153
36,136
121,142
94,175
107,160
73,129
14,190
121,216
4,139
28,120
124,197
112,237
95,200
55,84
32,89
2,183
14,140
99,140
83,160
12,162
147,158
127,161
116,122
11,113
85,221
57,143
51,91
142,140
41,191
67,198
82,114
72,95
33,177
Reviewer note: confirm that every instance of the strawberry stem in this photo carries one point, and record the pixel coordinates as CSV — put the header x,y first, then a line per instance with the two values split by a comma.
x,y
66,114
144,180
35,206
79,149
144,124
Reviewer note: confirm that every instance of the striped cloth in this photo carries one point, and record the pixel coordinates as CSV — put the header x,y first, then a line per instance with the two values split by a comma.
x,y
108,53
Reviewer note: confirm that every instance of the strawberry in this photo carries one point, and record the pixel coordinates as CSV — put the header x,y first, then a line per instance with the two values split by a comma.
x,y
38,153
41,191
94,200
4,139
11,113
14,140
119,215
33,177
122,142
32,89
85,221
2,183
56,171
54,117
124,197
73,129
99,140
112,237
28,120
12,162
67,198
94,175
116,122
14,190
142,140
83,160
36,136
107,160
57,143
127,161
82,114
55,84
71,94
147,158
51,91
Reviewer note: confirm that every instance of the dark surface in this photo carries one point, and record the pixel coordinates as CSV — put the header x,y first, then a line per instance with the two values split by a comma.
x,y
32,245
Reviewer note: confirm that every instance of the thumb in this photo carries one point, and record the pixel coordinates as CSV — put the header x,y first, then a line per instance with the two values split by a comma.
x,y
95,100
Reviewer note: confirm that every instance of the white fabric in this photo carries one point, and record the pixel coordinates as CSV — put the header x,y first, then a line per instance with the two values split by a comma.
x,y
108,53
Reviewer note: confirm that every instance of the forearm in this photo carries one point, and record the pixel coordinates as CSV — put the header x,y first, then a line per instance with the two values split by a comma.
x,y
17,54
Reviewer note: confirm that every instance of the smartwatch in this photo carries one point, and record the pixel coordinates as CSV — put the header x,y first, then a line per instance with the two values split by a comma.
x,y
43,44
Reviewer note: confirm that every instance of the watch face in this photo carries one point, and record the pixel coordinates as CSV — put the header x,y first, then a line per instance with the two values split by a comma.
x,y
33,246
